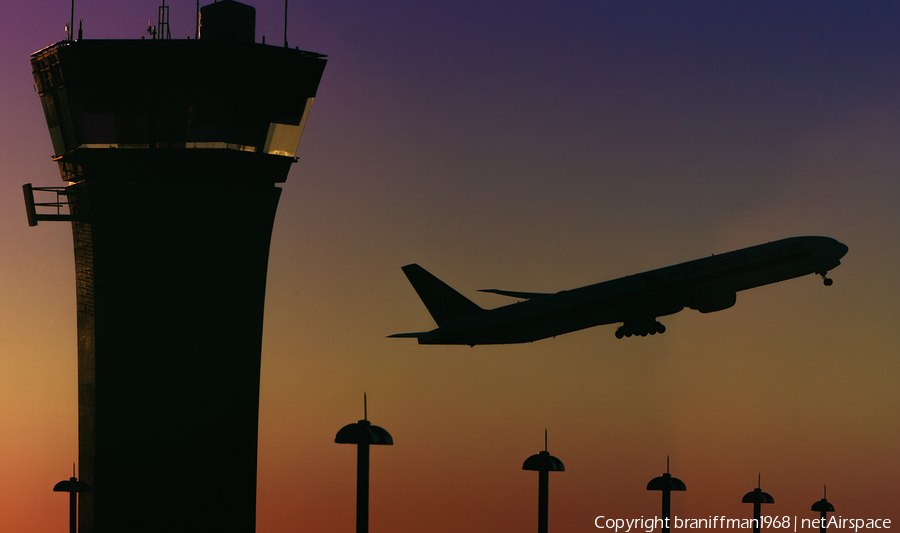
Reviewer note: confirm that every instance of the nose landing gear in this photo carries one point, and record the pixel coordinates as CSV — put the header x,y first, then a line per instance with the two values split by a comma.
x,y
825,279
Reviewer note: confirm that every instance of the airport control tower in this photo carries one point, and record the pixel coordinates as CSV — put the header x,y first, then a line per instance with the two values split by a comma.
x,y
172,150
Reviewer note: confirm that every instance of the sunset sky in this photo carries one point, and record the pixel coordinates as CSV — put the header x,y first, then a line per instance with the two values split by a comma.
x,y
531,146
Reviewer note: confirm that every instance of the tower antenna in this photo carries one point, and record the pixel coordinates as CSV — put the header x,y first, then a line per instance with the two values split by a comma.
x,y
72,21
285,23
162,21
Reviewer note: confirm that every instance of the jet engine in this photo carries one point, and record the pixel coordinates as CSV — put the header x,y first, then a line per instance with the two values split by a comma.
x,y
711,301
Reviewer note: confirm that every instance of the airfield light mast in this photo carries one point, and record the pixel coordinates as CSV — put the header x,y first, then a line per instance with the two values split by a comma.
x,y
73,487
824,507
666,483
757,497
363,434
544,463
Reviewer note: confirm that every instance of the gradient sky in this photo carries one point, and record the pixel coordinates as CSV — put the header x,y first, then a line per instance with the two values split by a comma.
x,y
526,146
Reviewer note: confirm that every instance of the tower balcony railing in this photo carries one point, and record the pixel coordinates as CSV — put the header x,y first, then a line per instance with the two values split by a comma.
x,y
57,210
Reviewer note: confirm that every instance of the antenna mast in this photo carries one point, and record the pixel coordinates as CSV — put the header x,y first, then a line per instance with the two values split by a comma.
x,y
162,20
72,21
285,23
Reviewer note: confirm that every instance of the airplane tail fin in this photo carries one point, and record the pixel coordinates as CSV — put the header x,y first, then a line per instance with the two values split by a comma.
x,y
444,303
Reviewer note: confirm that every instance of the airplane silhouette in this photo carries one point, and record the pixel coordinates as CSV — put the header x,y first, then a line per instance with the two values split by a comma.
x,y
707,285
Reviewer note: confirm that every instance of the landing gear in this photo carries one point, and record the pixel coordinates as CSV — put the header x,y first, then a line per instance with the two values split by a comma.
x,y
643,329
825,279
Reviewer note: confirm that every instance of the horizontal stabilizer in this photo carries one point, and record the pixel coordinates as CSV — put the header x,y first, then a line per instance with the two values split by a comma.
x,y
407,335
444,303
516,294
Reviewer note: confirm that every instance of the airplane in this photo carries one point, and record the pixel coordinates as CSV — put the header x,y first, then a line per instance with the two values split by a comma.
x,y
707,285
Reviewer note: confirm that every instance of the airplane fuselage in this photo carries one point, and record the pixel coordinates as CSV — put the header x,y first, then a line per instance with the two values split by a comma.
x,y
707,285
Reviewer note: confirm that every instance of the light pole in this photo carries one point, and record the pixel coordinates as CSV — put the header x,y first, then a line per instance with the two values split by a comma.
x,y
73,487
824,507
544,463
363,434
757,497
666,483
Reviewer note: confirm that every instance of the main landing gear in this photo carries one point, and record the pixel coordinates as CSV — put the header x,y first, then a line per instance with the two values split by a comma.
x,y
825,279
640,328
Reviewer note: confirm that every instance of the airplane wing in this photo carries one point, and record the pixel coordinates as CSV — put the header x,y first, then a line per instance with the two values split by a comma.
x,y
516,294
